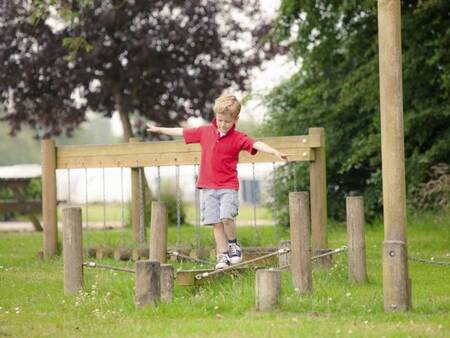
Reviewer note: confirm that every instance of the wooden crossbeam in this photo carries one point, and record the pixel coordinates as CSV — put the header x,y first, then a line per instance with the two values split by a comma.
x,y
169,153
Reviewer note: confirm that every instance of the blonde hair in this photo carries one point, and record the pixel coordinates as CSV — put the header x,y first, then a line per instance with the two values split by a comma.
x,y
227,104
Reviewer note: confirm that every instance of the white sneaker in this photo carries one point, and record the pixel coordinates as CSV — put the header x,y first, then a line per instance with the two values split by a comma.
x,y
235,253
223,261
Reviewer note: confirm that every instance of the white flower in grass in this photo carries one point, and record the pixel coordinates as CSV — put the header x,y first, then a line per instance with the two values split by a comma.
x,y
366,322
439,326
348,294
350,331
432,258
338,331
1,308
1,266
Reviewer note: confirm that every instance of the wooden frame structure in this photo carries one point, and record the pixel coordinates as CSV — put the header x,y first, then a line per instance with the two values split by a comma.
x,y
309,148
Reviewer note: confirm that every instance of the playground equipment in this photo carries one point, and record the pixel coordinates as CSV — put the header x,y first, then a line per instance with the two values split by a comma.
x,y
155,281
135,155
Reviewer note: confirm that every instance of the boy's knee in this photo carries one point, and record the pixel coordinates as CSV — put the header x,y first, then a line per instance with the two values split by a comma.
x,y
218,225
227,221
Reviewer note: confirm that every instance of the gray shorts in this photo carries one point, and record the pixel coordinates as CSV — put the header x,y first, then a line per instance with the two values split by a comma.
x,y
217,204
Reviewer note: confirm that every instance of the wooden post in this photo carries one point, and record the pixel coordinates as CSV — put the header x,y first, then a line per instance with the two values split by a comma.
x,y
137,196
268,285
139,253
300,242
167,281
284,259
48,155
104,252
148,283
122,254
395,265
72,251
355,238
158,233
318,188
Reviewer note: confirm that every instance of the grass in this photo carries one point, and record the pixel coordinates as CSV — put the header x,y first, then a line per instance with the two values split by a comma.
x,y
32,303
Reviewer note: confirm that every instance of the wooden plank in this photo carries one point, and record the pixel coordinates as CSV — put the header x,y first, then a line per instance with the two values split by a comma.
x,y
187,277
164,153
152,160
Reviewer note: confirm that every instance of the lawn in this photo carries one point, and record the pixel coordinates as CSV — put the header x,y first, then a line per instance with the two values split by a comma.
x,y
32,303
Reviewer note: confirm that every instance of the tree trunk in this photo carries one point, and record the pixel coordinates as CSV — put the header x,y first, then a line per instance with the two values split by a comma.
x,y
124,117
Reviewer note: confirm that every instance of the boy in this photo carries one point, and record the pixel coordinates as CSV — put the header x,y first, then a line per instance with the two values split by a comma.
x,y
221,144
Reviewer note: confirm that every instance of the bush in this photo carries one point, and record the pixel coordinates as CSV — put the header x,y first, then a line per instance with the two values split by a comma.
x,y
435,194
171,202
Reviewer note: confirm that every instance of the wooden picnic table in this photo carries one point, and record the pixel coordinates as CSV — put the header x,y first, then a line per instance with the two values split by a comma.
x,y
20,203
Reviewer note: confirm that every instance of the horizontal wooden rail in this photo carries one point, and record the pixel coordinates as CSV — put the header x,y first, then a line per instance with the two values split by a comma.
x,y
169,153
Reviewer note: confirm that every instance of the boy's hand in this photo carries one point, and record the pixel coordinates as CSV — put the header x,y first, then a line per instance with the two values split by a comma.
x,y
281,156
153,129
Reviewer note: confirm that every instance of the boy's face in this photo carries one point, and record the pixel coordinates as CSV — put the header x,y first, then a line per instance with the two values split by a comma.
x,y
225,122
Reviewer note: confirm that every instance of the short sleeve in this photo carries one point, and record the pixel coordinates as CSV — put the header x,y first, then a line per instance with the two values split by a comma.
x,y
192,135
247,144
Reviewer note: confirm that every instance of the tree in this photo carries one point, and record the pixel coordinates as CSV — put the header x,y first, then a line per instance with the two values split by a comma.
x,y
162,61
337,88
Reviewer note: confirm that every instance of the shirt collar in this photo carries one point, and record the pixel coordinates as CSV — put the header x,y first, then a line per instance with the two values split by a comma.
x,y
214,124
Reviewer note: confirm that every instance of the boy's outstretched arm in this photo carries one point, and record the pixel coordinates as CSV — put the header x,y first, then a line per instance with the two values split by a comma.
x,y
268,149
166,131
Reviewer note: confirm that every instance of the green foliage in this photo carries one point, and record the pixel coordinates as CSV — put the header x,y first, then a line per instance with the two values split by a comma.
x,y
337,88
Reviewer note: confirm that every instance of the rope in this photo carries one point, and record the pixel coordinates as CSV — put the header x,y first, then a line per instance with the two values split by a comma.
x,y
104,202
215,272
177,197
108,267
123,208
196,260
256,232
68,186
86,204
295,176
197,210
104,199
274,209
141,206
158,181
329,253
428,261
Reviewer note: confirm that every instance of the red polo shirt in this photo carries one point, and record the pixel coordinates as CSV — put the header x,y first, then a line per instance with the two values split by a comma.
x,y
220,155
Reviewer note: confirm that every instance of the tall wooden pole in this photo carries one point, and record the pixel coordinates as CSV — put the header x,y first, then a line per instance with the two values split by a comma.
x,y
48,158
396,284
318,188
137,201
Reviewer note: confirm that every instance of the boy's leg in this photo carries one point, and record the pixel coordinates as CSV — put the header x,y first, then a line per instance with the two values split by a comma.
x,y
221,238
223,260
229,208
229,228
